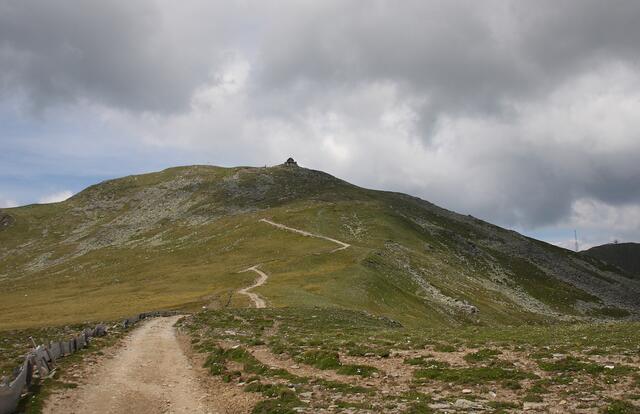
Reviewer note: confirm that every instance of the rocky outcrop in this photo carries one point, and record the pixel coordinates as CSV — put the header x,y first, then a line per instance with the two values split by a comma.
x,y
5,220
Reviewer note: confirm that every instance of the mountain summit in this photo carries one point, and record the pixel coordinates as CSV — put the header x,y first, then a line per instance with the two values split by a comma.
x,y
188,237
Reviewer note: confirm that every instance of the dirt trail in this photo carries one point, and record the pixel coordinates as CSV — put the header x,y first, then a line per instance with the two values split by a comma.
x,y
343,245
262,279
148,374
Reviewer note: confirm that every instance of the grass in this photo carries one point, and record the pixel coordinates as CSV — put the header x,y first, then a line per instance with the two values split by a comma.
x,y
621,407
319,337
177,239
571,364
281,400
472,375
444,348
15,344
218,357
33,401
482,355
320,359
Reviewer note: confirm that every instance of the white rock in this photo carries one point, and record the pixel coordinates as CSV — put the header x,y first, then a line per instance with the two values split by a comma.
x,y
533,406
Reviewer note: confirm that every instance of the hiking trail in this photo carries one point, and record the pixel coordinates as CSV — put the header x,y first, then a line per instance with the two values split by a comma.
x,y
262,279
343,245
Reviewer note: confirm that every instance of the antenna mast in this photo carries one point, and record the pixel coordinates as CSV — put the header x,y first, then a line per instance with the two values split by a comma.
x,y
575,236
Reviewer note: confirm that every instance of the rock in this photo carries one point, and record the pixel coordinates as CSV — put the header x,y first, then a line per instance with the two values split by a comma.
x,y
468,405
533,406
466,391
439,406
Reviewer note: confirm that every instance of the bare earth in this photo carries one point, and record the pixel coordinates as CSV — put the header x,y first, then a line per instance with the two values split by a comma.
x,y
149,374
343,245
257,300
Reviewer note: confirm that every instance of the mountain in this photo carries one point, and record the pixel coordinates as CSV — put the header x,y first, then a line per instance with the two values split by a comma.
x,y
181,239
625,256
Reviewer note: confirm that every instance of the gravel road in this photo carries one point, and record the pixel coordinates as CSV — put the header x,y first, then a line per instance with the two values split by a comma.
x,y
148,374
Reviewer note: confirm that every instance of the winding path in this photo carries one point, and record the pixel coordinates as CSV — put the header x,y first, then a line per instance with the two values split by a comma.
x,y
262,279
343,245
262,276
148,374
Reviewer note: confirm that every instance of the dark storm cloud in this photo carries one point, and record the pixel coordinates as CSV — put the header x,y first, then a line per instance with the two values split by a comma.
x,y
128,54
463,55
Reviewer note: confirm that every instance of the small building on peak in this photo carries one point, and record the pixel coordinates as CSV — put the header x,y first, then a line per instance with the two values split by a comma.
x,y
291,162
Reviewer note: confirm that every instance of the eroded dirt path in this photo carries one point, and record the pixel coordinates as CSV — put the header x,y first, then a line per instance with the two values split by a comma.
x,y
262,276
149,373
262,279
343,245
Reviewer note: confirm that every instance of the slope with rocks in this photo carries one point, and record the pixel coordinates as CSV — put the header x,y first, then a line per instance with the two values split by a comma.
x,y
179,238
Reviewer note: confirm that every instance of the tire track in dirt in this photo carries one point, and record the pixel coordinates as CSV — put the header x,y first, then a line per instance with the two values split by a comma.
x,y
148,374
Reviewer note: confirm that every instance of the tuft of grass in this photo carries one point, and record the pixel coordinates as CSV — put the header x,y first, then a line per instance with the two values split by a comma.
x,y
281,400
444,348
472,375
426,362
342,387
621,407
218,357
532,398
320,359
481,355
574,365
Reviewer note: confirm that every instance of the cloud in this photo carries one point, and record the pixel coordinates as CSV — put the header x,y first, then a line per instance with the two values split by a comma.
x,y
7,202
519,113
141,56
55,197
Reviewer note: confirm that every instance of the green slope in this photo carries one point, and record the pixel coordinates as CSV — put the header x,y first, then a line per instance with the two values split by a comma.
x,y
179,238
625,256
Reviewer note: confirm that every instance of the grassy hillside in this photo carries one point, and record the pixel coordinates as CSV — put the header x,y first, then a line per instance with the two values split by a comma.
x,y
179,238
625,256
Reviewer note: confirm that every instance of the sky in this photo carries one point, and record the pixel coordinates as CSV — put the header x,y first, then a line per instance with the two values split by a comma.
x,y
525,114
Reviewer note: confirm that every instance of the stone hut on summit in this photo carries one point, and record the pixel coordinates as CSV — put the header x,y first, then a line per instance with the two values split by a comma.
x,y
291,163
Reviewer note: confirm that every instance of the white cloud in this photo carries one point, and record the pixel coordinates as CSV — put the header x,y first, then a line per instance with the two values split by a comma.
x,y
55,197
7,203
